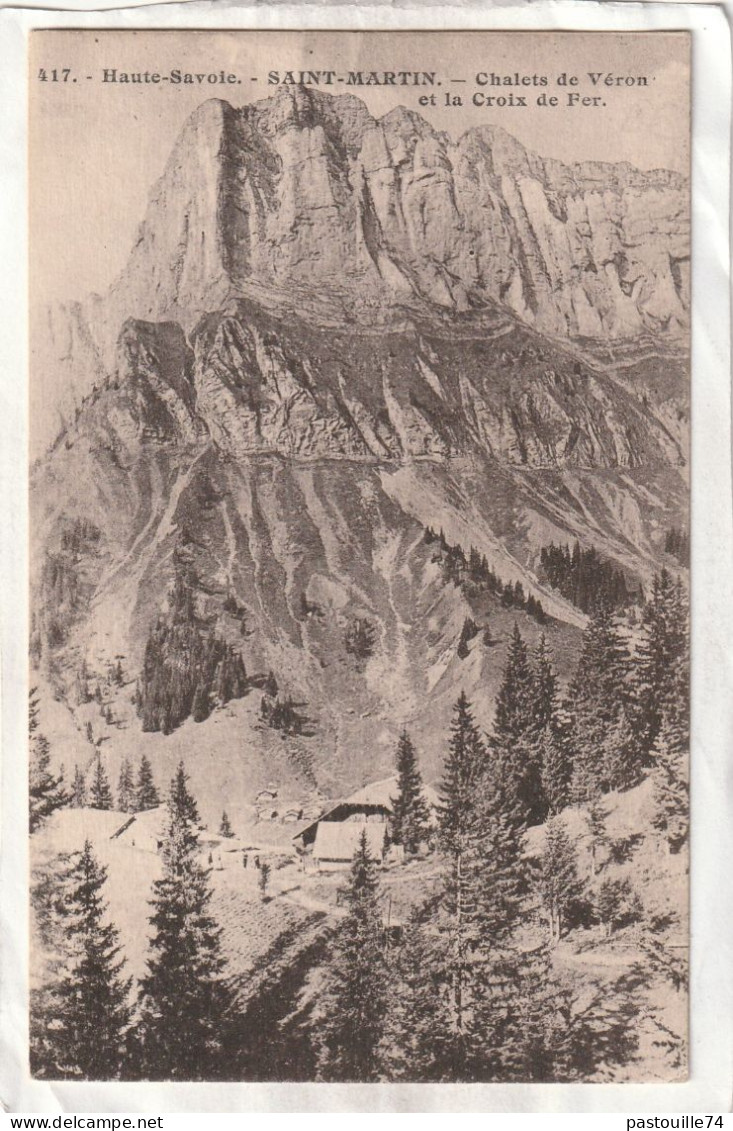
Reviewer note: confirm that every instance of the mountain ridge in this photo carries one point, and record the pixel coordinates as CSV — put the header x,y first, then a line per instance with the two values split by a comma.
x,y
306,192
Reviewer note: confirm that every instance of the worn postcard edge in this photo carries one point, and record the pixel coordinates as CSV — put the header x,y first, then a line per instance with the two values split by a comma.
x,y
711,1051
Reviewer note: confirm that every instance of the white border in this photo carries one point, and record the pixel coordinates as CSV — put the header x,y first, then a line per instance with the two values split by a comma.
x,y
711,1081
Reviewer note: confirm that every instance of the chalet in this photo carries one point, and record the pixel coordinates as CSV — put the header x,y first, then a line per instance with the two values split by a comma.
x,y
333,837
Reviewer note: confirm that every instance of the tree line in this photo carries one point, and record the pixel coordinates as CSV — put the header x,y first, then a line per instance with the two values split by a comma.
x,y
86,1022
187,668
461,995
471,573
677,543
584,578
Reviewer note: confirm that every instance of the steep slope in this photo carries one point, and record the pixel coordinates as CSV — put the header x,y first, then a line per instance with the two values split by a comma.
x,y
315,353
296,489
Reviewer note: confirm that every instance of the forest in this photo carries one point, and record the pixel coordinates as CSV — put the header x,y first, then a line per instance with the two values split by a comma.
x,y
584,577
468,989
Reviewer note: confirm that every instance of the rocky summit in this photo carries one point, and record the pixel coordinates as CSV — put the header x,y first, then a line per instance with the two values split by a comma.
x,y
333,335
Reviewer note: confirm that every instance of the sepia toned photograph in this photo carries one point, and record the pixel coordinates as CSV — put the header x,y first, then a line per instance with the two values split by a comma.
x,y
359,556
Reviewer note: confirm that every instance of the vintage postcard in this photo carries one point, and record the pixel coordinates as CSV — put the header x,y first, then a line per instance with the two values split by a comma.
x,y
359,711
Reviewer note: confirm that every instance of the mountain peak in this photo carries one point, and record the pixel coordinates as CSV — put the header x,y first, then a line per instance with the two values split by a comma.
x,y
307,194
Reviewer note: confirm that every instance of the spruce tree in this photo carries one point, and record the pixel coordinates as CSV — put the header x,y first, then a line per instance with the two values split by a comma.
x,y
661,668
670,782
479,899
597,814
225,828
78,789
126,788
559,881
84,1011
465,764
415,1042
46,792
410,814
553,747
100,793
182,995
355,998
604,746
517,726
146,795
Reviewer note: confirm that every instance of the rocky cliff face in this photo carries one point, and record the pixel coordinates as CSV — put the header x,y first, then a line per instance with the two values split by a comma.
x,y
309,190
258,383
306,202
332,333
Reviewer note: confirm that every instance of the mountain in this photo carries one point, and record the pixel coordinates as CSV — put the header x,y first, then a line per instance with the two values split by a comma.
x,y
331,334
307,201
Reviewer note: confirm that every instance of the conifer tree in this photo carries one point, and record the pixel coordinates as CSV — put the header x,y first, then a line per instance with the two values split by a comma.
x,y
410,814
515,735
100,793
553,747
465,764
356,982
670,778
146,794
545,685
46,792
559,881
661,668
415,1041
225,828
604,746
479,900
597,814
78,789
80,1020
182,995
126,788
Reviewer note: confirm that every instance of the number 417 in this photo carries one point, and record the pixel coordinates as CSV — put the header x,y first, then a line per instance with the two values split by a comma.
x,y
53,76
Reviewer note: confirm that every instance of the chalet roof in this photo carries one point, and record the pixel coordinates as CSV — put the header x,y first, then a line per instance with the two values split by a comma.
x,y
376,794
339,840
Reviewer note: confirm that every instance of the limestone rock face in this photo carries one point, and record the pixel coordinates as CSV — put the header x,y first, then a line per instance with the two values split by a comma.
x,y
306,201
309,190
258,384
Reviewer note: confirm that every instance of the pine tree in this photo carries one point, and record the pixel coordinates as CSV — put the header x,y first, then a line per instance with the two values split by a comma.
x,y
410,814
553,748
604,746
661,673
146,795
559,882
465,764
46,792
469,630
225,828
80,1020
355,997
100,794
670,778
415,1042
126,788
78,789
517,725
480,898
182,995
597,830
